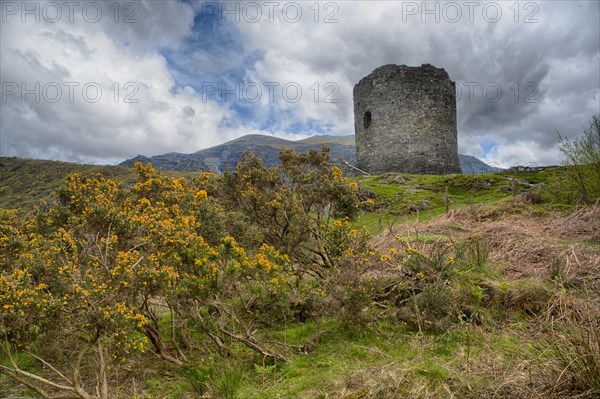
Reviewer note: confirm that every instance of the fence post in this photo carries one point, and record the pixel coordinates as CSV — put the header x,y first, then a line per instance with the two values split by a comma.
x,y
446,204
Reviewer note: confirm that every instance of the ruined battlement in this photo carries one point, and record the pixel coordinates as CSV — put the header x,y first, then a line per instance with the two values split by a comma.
x,y
405,121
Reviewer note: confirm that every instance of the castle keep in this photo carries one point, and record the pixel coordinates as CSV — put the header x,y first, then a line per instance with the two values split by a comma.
x,y
405,121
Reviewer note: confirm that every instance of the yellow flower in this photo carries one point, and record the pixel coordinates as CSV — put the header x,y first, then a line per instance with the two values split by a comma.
x,y
201,195
336,173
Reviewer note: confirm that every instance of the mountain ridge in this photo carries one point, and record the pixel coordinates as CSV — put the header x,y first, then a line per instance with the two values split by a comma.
x,y
226,155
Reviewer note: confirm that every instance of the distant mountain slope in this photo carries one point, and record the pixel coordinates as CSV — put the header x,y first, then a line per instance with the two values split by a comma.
x,y
228,154
343,140
218,158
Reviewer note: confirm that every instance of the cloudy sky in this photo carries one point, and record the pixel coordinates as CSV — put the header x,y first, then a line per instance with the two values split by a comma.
x,y
102,81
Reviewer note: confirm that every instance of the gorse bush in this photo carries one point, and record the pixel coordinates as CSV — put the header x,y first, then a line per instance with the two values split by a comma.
x,y
96,274
289,206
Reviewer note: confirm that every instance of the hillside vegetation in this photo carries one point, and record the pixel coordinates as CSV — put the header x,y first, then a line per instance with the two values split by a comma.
x,y
296,282
25,182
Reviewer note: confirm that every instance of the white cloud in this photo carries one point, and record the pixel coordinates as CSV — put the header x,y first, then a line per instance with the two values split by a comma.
x,y
561,62
521,153
129,106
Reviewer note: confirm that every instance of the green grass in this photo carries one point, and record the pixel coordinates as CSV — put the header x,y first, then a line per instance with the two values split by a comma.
x,y
388,361
343,364
403,197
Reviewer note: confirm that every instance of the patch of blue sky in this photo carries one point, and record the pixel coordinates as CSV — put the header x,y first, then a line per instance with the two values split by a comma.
x,y
213,55
215,63
487,145
310,127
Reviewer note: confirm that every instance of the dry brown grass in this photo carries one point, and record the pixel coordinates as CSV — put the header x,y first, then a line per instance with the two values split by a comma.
x,y
550,267
583,224
521,244
569,349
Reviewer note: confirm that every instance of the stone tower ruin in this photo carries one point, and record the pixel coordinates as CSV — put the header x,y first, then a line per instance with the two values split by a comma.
x,y
405,121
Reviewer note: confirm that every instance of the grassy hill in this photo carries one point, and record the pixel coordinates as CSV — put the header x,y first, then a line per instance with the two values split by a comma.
x,y
403,197
25,182
527,325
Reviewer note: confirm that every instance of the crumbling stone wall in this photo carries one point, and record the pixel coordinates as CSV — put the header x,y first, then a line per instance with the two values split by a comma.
x,y
405,121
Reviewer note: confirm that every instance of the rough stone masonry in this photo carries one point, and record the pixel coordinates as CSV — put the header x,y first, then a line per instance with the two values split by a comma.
x,y
405,121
